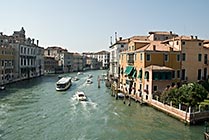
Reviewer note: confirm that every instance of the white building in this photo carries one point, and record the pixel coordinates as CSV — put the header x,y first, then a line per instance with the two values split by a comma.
x,y
115,50
102,57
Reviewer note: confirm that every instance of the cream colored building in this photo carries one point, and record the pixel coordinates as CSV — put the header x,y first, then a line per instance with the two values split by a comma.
x,y
194,57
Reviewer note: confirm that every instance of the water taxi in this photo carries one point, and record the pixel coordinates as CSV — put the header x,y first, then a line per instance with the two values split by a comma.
x,y
80,73
89,81
80,96
75,78
90,76
63,84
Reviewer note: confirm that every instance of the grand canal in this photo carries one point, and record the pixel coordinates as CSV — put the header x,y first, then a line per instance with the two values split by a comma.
x,y
34,110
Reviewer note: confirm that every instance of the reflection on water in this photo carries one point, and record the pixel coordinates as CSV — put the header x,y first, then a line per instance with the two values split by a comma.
x,y
33,109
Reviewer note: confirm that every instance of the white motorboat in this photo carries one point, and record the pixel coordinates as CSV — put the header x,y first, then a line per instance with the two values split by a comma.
x,y
75,78
121,95
2,88
90,76
63,84
79,73
80,96
89,81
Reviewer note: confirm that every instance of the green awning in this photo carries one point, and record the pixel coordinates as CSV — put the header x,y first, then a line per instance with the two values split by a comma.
x,y
140,74
134,74
128,70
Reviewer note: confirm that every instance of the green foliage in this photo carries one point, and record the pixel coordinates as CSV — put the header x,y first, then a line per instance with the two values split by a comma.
x,y
189,94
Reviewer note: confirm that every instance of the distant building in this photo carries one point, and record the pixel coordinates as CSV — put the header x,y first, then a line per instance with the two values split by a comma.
x,y
50,64
77,62
92,63
58,54
7,67
28,56
102,56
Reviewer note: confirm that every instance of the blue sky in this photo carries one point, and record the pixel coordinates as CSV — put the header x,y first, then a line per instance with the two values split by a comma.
x,y
86,25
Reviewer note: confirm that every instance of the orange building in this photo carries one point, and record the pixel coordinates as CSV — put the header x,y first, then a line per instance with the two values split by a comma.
x,y
148,67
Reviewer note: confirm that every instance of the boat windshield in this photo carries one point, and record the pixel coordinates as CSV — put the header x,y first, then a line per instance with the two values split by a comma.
x,y
81,95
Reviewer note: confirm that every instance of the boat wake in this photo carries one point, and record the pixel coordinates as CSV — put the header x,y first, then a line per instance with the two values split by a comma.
x,y
86,105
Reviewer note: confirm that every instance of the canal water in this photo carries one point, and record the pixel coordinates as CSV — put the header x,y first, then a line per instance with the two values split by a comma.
x,y
34,110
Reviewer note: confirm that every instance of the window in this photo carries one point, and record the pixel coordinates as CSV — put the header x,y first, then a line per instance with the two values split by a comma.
x,y
200,44
173,74
122,46
177,43
205,73
183,43
146,75
183,57
166,57
178,73
183,74
155,88
199,74
199,57
141,57
178,57
205,59
135,57
148,57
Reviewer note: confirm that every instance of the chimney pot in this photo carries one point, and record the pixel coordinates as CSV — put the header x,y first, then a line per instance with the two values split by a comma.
x,y
191,36
195,37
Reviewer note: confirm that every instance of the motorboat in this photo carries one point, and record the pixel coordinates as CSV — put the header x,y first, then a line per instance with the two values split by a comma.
x,y
79,73
89,81
63,84
90,76
80,96
2,88
75,78
121,95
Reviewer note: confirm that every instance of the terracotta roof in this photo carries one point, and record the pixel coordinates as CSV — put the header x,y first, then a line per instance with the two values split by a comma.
x,y
156,67
206,41
162,33
127,40
158,46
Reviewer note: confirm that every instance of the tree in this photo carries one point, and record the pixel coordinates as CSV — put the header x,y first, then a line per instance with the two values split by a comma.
x,y
189,94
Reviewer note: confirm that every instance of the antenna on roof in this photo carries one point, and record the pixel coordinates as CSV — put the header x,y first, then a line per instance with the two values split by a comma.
x,y
110,40
115,36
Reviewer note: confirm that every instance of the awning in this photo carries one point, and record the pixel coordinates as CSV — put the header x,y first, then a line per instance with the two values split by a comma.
x,y
128,70
134,74
140,74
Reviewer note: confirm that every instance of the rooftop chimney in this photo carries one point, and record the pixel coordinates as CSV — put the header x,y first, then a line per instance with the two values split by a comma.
x,y
1,33
191,36
170,32
120,38
195,37
37,41
33,41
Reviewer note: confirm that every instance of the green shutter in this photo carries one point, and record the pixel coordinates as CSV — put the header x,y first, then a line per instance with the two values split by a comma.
x,y
146,76
140,74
